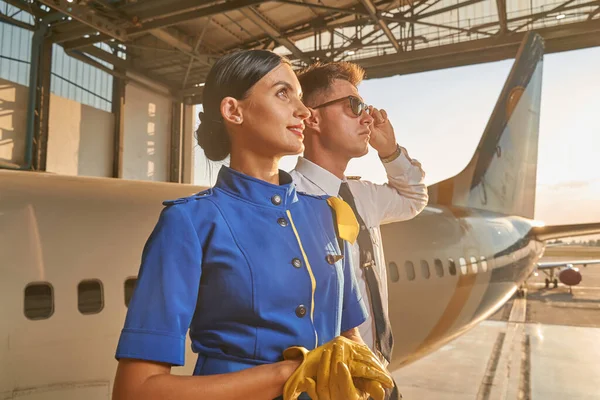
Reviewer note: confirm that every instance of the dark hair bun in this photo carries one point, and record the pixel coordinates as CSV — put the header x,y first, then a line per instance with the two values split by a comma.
x,y
213,138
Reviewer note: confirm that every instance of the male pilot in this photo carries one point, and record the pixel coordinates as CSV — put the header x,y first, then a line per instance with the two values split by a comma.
x,y
341,127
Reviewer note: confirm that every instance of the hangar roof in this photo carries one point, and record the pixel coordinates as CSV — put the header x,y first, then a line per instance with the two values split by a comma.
x,y
175,42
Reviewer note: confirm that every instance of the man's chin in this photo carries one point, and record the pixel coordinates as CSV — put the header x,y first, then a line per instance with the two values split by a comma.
x,y
362,152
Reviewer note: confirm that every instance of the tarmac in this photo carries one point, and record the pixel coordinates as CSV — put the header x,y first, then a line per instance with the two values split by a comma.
x,y
544,346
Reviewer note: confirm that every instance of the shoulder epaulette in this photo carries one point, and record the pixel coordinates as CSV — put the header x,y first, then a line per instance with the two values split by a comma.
x,y
315,196
183,200
353,178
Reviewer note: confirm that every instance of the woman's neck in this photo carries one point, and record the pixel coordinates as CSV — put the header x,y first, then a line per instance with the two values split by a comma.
x,y
256,166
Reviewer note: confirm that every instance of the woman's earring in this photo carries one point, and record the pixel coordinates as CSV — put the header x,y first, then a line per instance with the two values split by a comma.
x,y
237,119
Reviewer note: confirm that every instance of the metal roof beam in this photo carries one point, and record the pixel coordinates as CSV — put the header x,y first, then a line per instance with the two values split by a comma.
x,y
191,15
501,5
75,30
83,42
174,40
16,22
158,20
427,5
374,14
447,9
545,14
152,9
178,42
252,14
594,13
542,14
30,8
557,38
117,62
124,65
200,38
395,18
191,91
164,62
87,16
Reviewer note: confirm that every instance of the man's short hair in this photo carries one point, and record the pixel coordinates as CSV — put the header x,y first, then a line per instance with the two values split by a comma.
x,y
318,77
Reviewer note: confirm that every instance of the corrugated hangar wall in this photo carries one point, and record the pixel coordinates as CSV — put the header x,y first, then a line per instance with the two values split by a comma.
x,y
81,125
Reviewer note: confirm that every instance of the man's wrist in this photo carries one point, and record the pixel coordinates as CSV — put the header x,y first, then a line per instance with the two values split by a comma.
x,y
391,156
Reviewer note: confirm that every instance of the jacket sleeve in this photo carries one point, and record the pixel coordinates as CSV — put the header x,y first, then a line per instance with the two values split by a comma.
x,y
164,299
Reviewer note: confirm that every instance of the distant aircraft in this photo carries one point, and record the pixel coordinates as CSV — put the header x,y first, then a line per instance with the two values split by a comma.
x,y
70,249
567,274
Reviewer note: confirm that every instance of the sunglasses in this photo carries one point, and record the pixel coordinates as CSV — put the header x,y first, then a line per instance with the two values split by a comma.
x,y
356,105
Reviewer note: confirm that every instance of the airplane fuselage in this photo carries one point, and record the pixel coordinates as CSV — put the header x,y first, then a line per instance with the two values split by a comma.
x,y
448,269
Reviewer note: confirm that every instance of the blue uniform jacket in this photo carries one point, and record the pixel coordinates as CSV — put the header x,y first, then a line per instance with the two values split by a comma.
x,y
249,268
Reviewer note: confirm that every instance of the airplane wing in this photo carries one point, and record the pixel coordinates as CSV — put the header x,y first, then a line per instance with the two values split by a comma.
x,y
558,264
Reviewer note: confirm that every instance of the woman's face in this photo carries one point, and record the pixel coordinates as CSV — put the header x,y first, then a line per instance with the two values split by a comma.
x,y
273,115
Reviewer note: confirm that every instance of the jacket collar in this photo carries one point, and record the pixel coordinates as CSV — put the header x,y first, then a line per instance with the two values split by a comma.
x,y
258,191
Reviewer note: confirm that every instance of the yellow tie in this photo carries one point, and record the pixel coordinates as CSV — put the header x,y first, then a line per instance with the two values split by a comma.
x,y
345,218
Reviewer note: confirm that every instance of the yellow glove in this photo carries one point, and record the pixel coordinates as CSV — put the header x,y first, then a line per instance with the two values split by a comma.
x,y
343,386
326,372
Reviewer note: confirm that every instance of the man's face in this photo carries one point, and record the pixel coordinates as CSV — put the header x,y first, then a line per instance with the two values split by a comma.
x,y
340,130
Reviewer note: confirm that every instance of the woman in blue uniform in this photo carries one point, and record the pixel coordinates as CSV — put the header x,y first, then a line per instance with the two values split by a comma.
x,y
251,267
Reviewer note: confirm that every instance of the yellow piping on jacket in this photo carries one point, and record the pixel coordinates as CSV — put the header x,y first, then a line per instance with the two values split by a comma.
x,y
347,229
313,281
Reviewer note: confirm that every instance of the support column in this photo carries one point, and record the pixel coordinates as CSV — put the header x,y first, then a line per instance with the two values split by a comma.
x,y
38,103
40,142
176,139
118,109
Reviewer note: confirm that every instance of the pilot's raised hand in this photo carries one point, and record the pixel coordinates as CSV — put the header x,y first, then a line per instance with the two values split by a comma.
x,y
382,138
326,372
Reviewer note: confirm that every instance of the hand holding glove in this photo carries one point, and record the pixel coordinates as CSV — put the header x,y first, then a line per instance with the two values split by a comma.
x,y
338,370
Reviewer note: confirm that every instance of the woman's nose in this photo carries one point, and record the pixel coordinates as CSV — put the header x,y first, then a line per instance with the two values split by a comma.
x,y
302,111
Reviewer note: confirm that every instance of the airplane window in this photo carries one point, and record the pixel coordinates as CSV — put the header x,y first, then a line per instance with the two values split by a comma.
x,y
90,297
129,287
483,264
474,264
439,268
39,301
463,266
425,269
451,267
394,274
410,270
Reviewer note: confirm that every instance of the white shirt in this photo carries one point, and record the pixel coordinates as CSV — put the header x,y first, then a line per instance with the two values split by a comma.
x,y
402,198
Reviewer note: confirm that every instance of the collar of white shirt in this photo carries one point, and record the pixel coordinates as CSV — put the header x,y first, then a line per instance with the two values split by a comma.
x,y
328,182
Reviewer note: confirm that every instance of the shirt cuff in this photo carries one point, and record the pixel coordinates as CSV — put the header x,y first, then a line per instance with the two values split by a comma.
x,y
401,165
151,346
354,315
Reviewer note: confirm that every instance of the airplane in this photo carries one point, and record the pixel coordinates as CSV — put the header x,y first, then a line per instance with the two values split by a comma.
x,y
568,274
70,250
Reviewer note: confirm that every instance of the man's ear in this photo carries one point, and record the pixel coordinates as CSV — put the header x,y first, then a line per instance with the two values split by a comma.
x,y
231,110
313,122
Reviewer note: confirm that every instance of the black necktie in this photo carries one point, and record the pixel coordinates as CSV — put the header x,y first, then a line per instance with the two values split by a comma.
x,y
383,329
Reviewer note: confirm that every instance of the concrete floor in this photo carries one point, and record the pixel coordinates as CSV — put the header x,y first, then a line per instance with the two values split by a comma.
x,y
454,372
563,364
